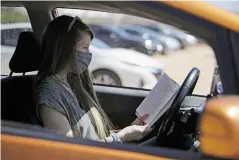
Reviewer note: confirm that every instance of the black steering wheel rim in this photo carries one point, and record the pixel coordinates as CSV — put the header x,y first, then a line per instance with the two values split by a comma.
x,y
186,89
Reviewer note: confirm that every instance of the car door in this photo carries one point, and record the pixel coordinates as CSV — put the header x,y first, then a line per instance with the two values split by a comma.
x,y
120,102
27,142
46,144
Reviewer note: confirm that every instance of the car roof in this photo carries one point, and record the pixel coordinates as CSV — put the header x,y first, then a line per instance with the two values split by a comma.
x,y
204,10
15,25
209,12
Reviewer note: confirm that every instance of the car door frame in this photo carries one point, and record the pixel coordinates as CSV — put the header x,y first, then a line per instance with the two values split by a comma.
x,y
14,132
19,137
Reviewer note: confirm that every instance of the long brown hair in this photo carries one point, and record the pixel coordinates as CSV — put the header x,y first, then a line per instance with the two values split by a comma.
x,y
58,47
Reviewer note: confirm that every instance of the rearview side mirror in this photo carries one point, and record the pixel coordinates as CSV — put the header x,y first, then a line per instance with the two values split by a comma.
x,y
220,128
216,87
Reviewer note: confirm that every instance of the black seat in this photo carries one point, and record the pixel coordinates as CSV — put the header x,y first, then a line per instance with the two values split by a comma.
x,y
17,98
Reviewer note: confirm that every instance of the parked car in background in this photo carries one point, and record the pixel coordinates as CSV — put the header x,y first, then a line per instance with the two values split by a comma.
x,y
111,66
123,67
184,38
138,35
169,43
118,38
100,44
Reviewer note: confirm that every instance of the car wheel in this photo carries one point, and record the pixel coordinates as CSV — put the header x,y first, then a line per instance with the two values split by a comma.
x,y
105,77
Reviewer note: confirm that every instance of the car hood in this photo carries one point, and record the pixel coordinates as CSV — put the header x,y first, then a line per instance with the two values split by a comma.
x,y
130,57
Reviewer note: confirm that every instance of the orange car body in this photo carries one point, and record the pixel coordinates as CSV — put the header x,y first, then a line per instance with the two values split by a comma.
x,y
220,121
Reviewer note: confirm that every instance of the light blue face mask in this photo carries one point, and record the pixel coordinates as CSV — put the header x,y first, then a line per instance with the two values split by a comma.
x,y
83,61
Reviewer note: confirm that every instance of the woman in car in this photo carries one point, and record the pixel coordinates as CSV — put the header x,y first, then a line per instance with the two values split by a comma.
x,y
66,100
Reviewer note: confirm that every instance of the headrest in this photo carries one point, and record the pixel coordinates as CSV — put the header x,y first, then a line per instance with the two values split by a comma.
x,y
27,56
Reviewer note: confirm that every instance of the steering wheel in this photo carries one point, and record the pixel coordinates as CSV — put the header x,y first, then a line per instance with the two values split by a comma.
x,y
186,89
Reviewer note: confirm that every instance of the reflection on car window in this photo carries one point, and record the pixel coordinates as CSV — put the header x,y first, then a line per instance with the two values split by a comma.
x,y
14,20
134,51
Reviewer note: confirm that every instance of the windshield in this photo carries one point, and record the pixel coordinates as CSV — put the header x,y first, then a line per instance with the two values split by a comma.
x,y
99,44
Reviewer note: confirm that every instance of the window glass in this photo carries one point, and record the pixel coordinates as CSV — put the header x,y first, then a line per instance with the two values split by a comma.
x,y
132,32
14,20
140,50
10,36
99,43
104,32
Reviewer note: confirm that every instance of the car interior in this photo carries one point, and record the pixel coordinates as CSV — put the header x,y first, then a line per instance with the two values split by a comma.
x,y
26,59
177,128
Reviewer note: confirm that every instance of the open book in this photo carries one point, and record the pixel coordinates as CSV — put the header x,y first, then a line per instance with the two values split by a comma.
x,y
159,99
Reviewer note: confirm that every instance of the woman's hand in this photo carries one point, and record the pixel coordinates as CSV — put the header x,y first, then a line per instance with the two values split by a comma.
x,y
136,131
140,121
133,133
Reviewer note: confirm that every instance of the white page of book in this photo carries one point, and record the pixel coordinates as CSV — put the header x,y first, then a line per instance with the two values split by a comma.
x,y
157,114
158,99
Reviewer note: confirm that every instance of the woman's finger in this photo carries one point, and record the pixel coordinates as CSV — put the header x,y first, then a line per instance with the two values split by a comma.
x,y
144,117
140,120
147,131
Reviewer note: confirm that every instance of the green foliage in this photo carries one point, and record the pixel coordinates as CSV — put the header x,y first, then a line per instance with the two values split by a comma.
x,y
13,17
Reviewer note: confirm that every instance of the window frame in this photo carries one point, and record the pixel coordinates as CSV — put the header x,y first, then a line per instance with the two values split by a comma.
x,y
9,130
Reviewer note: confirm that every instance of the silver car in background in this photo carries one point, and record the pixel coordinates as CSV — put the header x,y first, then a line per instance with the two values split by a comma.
x,y
184,38
169,43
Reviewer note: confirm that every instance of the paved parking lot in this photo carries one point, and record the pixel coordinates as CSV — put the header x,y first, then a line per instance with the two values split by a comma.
x,y
177,65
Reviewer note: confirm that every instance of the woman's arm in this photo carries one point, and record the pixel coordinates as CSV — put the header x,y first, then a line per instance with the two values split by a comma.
x,y
55,120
